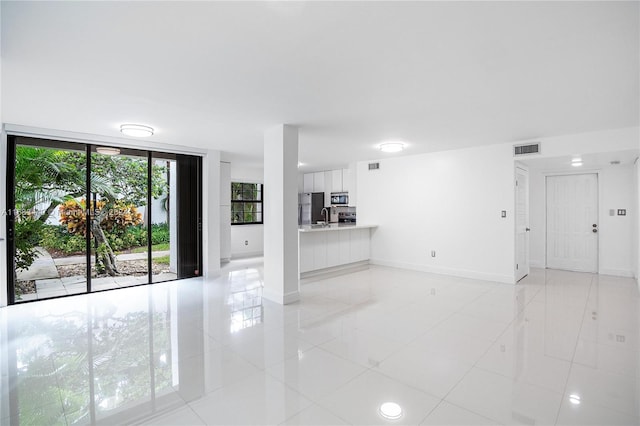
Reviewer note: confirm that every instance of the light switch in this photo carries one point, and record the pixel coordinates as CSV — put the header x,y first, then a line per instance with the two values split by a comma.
x,y
612,212
504,213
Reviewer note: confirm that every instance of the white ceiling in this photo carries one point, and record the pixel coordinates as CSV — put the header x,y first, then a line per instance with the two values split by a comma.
x,y
350,74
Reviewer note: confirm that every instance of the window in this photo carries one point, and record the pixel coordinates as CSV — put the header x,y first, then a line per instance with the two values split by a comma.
x,y
246,203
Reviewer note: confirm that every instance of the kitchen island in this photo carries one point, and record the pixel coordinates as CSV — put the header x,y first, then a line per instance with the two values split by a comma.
x,y
333,247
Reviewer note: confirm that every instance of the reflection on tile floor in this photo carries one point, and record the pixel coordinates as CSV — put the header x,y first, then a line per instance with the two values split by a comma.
x,y
558,348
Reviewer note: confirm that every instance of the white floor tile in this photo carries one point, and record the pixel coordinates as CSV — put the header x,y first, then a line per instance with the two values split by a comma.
x,y
614,391
360,400
215,352
315,373
503,400
259,399
449,414
433,373
314,415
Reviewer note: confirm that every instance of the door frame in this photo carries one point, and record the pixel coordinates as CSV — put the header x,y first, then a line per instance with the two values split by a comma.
x,y
194,202
515,224
599,186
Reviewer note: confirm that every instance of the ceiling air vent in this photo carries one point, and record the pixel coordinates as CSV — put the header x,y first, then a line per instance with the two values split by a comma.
x,y
530,148
374,166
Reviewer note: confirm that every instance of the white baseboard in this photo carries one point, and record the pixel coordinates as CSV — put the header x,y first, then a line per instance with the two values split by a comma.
x,y
537,264
617,272
335,271
247,254
505,279
282,299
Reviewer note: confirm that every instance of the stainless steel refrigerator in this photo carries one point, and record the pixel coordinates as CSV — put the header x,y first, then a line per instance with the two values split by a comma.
x,y
310,206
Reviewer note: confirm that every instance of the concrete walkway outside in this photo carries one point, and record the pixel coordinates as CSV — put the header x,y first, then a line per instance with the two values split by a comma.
x,y
49,284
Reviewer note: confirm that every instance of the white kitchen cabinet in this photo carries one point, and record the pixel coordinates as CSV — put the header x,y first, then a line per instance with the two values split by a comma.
x,y
346,180
306,248
328,184
318,182
337,181
320,250
344,246
307,182
332,247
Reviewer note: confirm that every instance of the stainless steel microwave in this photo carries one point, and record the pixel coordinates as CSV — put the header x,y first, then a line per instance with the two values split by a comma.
x,y
339,198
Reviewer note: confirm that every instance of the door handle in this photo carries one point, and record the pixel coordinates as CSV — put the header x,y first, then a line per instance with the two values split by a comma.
x,y
527,229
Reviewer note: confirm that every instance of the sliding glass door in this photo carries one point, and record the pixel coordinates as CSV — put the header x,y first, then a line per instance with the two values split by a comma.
x,y
84,218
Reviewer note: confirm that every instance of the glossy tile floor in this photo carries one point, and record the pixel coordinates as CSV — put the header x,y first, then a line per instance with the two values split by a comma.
x,y
558,348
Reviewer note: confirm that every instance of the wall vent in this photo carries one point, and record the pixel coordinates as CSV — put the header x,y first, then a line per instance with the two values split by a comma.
x,y
374,166
527,149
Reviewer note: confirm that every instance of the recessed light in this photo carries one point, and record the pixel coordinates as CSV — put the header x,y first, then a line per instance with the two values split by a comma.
x,y
391,411
108,150
136,130
391,147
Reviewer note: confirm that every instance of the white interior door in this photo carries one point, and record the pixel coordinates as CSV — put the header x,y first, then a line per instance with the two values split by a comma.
x,y
522,223
572,222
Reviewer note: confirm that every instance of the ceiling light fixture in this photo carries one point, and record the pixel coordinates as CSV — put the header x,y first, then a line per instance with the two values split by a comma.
x,y
391,411
108,150
391,147
575,399
136,130
576,162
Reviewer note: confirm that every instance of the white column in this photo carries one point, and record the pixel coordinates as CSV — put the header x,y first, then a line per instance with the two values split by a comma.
x,y
281,283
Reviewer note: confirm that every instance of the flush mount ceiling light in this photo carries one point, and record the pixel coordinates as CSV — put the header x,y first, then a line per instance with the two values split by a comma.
x,y
108,150
391,411
136,130
391,147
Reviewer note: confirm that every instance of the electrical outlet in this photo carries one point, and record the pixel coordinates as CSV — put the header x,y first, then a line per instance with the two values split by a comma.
x,y
622,212
433,253
246,242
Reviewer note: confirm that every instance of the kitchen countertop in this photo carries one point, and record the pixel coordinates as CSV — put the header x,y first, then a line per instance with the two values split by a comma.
x,y
333,227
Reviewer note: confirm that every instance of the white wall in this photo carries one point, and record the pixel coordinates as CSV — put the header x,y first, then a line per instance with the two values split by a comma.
x,y
636,251
449,202
616,233
252,234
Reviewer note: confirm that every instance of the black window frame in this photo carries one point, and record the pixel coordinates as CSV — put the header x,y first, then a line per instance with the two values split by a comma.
x,y
253,200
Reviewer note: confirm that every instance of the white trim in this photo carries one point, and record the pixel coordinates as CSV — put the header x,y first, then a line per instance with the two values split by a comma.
x,y
617,272
335,271
442,270
67,136
235,256
282,299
